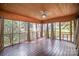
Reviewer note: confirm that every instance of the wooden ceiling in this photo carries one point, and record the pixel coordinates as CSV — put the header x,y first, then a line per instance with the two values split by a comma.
x,y
54,10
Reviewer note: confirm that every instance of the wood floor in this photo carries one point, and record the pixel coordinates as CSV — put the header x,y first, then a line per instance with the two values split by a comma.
x,y
41,47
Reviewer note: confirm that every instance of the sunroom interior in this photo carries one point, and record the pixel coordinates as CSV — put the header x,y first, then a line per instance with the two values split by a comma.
x,y
39,29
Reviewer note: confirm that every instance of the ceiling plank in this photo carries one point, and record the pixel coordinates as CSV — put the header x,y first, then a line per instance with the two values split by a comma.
x,y
12,16
61,19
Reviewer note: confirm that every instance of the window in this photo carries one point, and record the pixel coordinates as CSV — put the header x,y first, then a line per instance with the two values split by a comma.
x,y
16,32
32,31
23,35
44,30
7,32
26,30
56,30
49,29
65,31
38,30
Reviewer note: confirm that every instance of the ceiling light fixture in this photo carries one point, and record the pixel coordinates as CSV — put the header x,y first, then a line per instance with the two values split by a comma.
x,y
43,14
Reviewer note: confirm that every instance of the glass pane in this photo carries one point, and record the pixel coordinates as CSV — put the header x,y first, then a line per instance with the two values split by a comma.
x,y
56,30
26,31
15,26
7,32
22,27
32,31
15,38
44,30
7,26
65,30
22,31
6,40
38,30
22,37
49,28
16,32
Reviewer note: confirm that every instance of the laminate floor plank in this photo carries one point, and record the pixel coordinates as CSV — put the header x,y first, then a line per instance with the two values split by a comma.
x,y
41,47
